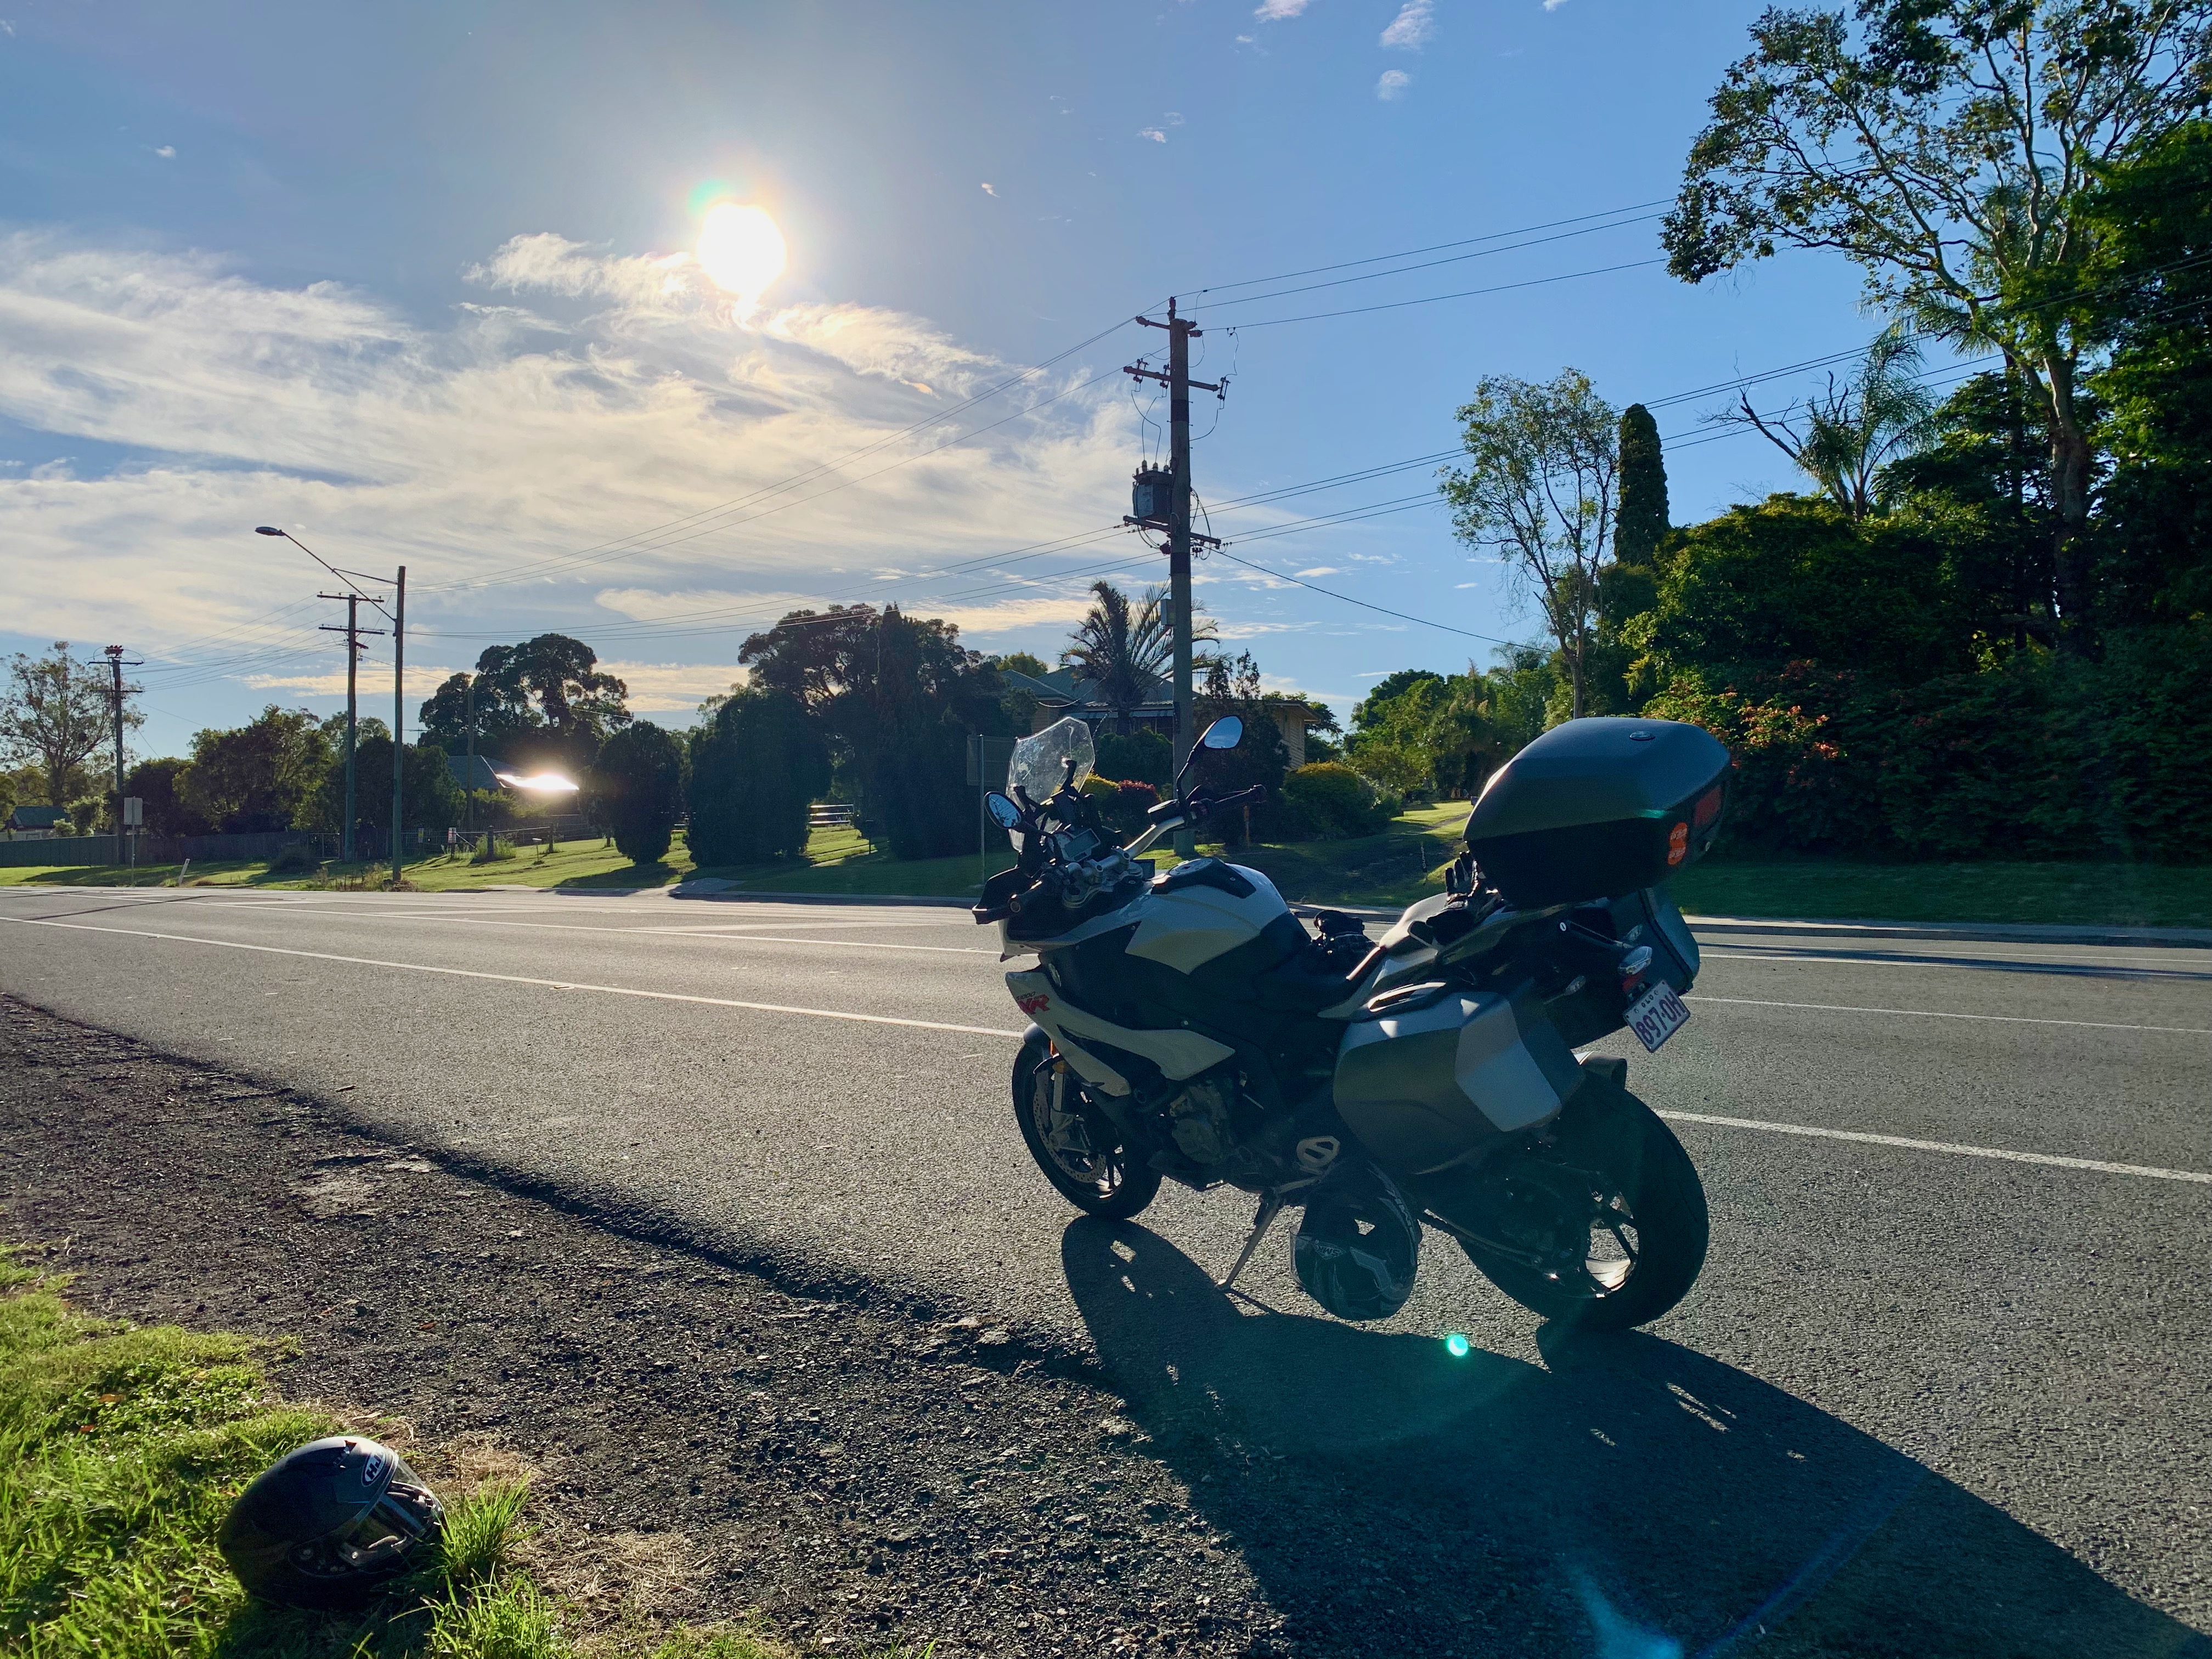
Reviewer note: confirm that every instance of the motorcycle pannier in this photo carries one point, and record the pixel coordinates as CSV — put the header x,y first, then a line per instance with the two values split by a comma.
x,y
1599,807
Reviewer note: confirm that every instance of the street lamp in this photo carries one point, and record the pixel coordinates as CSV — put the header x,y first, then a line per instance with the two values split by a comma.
x,y
398,615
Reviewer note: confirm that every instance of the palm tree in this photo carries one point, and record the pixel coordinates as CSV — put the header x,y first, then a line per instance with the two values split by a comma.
x,y
1881,414
1119,650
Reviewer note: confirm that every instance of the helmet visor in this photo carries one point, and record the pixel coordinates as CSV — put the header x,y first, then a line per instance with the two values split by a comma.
x,y
389,1528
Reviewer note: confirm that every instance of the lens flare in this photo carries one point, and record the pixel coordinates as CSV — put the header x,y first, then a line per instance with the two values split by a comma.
x,y
1457,1345
741,249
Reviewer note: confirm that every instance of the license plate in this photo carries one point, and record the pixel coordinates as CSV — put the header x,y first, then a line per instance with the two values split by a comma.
x,y
1657,1015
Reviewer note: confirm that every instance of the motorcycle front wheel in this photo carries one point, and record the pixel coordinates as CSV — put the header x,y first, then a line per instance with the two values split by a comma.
x,y
1078,1149
1604,1229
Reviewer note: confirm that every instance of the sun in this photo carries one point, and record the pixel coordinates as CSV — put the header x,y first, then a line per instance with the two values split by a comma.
x,y
741,249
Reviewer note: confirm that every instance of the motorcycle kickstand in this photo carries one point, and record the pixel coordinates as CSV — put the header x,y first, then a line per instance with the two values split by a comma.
x,y
1270,1207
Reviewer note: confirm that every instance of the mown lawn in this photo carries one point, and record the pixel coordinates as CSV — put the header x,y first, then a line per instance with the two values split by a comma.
x,y
1403,863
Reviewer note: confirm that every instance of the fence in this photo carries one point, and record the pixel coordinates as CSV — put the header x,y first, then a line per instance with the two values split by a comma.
x,y
78,850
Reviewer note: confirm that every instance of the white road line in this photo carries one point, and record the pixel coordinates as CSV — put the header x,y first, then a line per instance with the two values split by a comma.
x,y
2172,963
523,978
1932,1014
2000,1153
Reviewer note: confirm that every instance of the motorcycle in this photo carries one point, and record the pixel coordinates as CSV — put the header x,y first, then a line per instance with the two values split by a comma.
x,y
1187,1026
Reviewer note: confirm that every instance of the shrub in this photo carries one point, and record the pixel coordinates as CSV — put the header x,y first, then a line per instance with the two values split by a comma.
x,y
2041,757
1123,804
1330,801
640,776
1144,755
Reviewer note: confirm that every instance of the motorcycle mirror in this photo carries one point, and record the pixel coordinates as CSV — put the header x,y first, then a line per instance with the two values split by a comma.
x,y
1003,812
1225,733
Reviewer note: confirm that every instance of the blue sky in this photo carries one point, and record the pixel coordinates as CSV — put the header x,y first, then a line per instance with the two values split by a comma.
x,y
413,281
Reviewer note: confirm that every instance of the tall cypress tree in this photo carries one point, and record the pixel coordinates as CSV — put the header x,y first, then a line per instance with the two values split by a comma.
x,y
1642,518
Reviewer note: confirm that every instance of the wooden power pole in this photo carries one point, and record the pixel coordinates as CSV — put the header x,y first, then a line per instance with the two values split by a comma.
x,y
1180,332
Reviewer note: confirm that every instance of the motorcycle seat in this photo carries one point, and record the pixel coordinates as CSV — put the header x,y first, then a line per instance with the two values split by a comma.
x,y
1319,977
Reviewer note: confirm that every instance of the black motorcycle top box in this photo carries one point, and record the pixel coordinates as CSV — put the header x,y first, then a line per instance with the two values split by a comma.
x,y
1599,807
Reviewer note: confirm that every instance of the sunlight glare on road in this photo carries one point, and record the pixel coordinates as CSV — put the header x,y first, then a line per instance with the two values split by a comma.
x,y
741,250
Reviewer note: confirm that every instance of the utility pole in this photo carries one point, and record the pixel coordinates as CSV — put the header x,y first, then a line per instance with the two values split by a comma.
x,y
353,630
117,691
398,721
1180,332
469,801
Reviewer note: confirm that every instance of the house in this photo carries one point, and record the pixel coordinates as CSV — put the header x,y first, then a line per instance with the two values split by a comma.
x,y
479,775
35,823
1060,694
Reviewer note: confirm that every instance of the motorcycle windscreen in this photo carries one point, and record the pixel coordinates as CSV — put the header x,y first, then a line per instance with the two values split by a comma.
x,y
1039,762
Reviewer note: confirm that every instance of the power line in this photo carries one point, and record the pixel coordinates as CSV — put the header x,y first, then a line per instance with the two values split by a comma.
x,y
1434,247
1430,265
1463,294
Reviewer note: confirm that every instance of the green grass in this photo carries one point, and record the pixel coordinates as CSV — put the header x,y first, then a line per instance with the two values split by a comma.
x,y
2079,895
1403,863
121,1449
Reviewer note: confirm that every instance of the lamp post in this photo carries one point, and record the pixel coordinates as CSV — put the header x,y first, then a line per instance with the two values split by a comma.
x,y
398,618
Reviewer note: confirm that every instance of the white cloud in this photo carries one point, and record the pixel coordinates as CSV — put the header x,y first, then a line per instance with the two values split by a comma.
x,y
1274,11
494,437
1414,27
987,190
660,688
167,152
1320,570
1553,5
1153,133
1392,85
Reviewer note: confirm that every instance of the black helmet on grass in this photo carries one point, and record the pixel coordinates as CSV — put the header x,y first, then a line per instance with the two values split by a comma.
x,y
1360,1245
328,1525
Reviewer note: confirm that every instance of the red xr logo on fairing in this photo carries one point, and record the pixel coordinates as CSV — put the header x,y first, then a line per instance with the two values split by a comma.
x,y
1030,1005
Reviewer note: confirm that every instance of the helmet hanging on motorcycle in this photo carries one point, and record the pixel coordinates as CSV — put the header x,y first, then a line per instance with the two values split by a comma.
x,y
326,1526
1360,1245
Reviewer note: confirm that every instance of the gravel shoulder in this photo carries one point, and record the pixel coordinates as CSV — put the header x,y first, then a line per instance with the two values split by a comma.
x,y
861,1470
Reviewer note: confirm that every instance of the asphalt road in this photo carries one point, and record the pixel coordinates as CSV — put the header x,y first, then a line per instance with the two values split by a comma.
x,y
2001,1328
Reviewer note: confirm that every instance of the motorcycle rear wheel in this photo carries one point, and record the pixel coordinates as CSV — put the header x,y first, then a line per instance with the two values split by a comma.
x,y
1079,1149
1618,1176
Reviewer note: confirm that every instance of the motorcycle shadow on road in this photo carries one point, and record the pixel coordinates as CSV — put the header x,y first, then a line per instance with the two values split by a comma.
x,y
1628,1497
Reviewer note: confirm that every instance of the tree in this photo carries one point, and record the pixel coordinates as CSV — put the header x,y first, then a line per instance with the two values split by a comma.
x,y
434,800
159,784
263,775
542,701
1544,462
1990,467
2150,305
1797,579
1881,414
898,696
1641,518
1948,149
55,713
640,776
1119,650
755,767
1231,686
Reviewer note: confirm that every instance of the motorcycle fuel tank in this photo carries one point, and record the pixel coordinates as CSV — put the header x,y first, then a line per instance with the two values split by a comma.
x,y
1203,909
1445,1070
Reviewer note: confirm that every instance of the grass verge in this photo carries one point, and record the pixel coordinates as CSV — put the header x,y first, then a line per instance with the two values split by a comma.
x,y
1403,863
121,1448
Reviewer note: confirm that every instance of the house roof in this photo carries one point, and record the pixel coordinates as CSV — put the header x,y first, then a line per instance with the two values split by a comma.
x,y
1060,689
36,817
482,778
